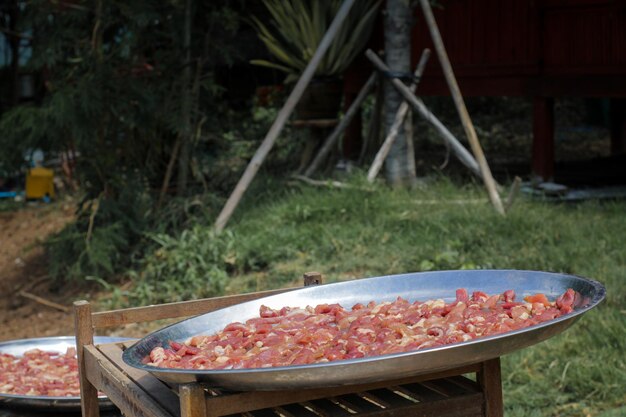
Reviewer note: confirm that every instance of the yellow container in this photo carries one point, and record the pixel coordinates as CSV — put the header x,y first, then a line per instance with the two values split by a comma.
x,y
39,183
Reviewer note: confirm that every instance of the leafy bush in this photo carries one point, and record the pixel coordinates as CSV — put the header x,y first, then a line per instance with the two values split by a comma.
x,y
192,265
104,236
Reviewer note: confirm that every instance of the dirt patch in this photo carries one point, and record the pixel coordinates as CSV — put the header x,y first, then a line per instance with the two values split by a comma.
x,y
23,273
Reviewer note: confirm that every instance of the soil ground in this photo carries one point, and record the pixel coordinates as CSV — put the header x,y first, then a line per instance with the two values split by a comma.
x,y
23,273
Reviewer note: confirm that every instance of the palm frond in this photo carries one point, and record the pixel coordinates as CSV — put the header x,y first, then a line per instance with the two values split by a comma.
x,y
298,26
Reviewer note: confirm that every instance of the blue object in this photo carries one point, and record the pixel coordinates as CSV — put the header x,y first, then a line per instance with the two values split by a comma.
x,y
8,194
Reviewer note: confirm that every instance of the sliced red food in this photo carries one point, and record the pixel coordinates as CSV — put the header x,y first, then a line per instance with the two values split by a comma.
x,y
329,332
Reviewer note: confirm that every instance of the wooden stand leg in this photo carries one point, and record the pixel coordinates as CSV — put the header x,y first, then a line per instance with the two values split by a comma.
x,y
192,401
84,336
543,138
312,278
490,380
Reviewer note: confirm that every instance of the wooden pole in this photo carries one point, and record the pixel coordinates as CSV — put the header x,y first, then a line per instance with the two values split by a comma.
x,y
460,106
282,117
459,150
398,120
345,121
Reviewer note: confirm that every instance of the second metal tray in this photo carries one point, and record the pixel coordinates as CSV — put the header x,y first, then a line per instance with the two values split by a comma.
x,y
49,344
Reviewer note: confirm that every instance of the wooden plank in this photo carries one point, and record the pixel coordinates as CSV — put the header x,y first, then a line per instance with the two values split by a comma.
x,y
230,403
160,392
422,392
192,403
121,317
266,412
121,390
373,398
297,410
490,381
326,407
444,387
391,398
466,406
84,336
355,403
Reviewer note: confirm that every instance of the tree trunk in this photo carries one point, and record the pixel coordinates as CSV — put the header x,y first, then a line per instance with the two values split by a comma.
x,y
399,165
185,149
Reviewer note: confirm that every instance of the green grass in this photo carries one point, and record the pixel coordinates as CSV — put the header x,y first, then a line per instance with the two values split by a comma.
x,y
280,232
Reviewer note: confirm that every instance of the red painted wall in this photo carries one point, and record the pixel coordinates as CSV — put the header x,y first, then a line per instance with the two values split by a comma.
x,y
524,48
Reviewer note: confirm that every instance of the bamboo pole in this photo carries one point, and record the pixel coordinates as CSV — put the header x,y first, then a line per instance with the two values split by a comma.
x,y
460,106
282,117
345,121
398,120
459,150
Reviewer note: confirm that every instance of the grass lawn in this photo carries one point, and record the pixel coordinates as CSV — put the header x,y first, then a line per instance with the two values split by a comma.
x,y
354,233
281,231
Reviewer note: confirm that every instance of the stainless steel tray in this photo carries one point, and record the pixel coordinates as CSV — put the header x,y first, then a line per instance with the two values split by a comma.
x,y
414,286
50,344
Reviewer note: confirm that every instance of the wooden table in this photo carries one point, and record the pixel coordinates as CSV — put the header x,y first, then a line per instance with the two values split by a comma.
x,y
140,394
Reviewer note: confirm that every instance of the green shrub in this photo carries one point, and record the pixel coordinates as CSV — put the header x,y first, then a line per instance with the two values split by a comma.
x,y
190,266
104,236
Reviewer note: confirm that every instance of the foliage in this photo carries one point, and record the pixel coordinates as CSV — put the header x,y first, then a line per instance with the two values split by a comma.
x,y
104,236
223,155
193,265
110,93
297,27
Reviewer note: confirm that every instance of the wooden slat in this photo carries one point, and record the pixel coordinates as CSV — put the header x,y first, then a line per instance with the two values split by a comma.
x,y
358,403
266,412
391,398
423,393
121,317
467,384
252,400
121,390
329,408
160,392
466,406
297,410
444,387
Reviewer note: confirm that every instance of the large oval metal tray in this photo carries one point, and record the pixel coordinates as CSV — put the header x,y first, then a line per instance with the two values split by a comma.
x,y
50,344
414,286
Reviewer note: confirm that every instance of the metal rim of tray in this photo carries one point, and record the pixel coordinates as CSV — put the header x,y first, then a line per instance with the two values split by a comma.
x,y
376,368
54,344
